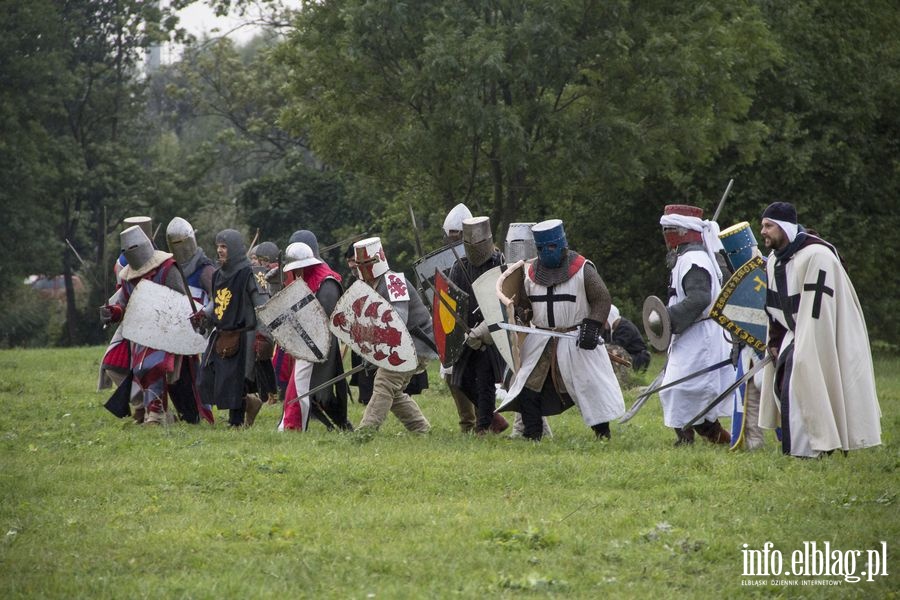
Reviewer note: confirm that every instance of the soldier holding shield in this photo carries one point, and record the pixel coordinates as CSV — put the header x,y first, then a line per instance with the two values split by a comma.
x,y
697,341
479,367
387,393
152,369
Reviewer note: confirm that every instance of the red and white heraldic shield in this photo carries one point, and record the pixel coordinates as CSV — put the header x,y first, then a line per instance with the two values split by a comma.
x,y
368,323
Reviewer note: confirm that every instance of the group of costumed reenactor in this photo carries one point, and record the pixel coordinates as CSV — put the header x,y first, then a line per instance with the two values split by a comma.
x,y
771,343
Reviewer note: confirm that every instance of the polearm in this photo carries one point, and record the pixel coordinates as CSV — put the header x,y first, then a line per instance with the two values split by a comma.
x,y
340,244
416,231
253,243
722,201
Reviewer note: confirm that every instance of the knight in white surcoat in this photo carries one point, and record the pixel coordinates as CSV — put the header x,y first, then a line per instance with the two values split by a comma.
x,y
697,342
562,292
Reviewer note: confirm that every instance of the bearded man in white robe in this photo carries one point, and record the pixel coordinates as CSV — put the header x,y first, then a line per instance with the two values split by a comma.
x,y
821,390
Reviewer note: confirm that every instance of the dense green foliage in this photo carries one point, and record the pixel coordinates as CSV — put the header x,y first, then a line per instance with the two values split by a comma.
x,y
95,507
344,118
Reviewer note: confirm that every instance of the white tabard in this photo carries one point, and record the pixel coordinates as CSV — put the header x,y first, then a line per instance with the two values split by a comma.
x,y
587,374
700,345
831,380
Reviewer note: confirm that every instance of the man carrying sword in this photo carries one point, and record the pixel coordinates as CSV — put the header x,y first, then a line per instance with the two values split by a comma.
x,y
695,283
563,295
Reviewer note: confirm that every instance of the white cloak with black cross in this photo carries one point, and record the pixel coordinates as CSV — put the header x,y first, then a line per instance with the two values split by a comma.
x,y
703,344
587,374
830,388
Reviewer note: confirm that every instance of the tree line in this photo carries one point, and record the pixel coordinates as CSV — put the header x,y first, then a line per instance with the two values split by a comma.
x,y
345,114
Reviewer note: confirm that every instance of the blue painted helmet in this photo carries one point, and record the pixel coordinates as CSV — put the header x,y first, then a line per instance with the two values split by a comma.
x,y
550,240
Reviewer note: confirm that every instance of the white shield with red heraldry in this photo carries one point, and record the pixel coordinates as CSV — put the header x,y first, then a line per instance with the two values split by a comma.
x,y
159,317
368,323
297,322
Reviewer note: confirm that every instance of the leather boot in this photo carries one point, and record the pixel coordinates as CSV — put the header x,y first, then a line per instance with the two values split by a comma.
x,y
713,432
499,424
253,404
601,430
685,436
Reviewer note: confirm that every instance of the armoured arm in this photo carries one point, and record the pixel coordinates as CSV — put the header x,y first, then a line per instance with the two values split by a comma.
x,y
597,294
697,290
328,295
206,279
174,281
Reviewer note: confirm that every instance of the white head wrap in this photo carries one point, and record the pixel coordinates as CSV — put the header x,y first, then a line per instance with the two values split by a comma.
x,y
709,230
789,229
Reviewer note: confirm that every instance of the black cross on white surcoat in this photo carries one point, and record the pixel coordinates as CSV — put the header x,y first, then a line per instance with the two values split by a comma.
x,y
550,298
820,289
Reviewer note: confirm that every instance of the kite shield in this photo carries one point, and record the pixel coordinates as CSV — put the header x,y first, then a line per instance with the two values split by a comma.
x,y
494,312
297,322
159,317
367,323
508,285
449,336
741,305
441,259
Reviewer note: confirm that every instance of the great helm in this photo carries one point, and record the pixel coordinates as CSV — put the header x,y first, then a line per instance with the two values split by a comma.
x,y
739,243
140,254
550,241
145,223
519,243
181,240
676,236
453,222
371,262
478,241
298,255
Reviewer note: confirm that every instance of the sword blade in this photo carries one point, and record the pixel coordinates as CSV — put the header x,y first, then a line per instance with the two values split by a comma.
x,y
653,390
331,381
730,389
643,397
535,330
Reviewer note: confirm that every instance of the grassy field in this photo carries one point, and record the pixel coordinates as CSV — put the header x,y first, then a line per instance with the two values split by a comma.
x,y
94,507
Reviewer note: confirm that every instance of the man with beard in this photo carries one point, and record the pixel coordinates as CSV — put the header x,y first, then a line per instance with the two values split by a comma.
x,y
227,364
821,391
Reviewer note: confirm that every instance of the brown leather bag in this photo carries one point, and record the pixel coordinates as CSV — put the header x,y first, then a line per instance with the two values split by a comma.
x,y
227,343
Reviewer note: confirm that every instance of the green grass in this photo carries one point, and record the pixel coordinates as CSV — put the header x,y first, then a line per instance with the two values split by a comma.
x,y
94,507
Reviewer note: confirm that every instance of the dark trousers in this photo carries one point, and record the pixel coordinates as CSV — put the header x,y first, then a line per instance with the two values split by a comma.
x,y
478,386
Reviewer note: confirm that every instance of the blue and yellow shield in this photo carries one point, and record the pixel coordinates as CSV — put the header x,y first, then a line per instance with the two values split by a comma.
x,y
741,306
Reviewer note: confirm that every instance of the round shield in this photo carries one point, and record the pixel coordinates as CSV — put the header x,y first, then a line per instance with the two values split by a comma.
x,y
657,326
